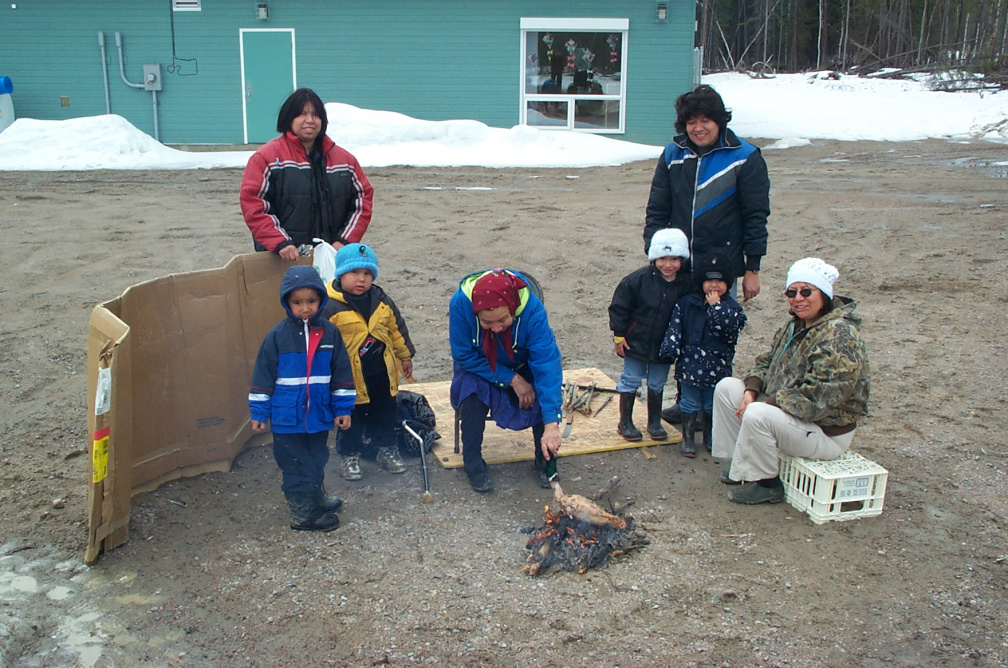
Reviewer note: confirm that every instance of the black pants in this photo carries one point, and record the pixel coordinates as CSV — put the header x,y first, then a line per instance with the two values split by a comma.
x,y
472,422
302,459
375,420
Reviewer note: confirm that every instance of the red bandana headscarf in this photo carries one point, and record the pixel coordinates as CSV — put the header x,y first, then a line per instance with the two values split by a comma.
x,y
497,288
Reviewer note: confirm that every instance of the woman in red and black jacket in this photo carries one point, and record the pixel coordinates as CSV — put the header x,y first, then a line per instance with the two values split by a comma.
x,y
301,186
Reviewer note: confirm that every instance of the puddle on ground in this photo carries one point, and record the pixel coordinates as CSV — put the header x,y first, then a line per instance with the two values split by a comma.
x,y
82,636
58,593
12,584
139,599
936,198
996,169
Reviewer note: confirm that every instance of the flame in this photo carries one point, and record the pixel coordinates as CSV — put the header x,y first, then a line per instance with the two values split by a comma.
x,y
565,538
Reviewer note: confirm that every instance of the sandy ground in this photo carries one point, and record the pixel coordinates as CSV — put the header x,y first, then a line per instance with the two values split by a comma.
x,y
213,576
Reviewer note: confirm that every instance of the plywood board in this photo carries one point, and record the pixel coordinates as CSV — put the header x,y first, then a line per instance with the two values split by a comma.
x,y
589,433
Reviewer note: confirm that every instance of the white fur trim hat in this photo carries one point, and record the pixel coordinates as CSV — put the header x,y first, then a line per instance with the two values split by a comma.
x,y
668,242
815,272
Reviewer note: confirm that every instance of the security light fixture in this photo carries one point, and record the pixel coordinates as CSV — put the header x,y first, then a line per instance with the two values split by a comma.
x,y
262,11
661,13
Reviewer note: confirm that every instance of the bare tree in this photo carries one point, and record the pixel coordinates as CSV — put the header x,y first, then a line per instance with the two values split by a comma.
x,y
860,34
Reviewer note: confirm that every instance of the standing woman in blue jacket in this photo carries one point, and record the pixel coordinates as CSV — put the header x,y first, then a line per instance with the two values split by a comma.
x,y
715,188
506,364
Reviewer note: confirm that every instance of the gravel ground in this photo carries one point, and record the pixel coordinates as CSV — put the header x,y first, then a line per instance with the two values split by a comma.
x,y
212,575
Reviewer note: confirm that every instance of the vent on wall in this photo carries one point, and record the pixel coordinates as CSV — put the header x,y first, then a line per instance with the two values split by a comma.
x,y
187,5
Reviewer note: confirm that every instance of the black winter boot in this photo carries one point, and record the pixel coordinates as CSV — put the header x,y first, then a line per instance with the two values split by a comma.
x,y
654,426
328,503
708,428
306,515
672,414
476,471
479,478
626,426
688,447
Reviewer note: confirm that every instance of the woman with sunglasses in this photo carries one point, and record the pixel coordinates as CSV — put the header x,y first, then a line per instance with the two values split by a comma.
x,y
803,397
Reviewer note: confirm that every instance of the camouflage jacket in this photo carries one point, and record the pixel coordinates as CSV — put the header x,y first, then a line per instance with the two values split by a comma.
x,y
819,373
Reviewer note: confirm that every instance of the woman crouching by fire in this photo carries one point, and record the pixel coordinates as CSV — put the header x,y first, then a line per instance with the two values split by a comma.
x,y
506,364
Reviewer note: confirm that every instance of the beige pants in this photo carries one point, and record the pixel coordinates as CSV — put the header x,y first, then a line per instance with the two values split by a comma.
x,y
753,441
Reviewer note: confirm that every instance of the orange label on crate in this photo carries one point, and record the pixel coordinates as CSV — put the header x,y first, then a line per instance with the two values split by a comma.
x,y
99,455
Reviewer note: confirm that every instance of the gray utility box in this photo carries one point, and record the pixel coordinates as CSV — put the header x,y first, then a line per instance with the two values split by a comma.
x,y
152,76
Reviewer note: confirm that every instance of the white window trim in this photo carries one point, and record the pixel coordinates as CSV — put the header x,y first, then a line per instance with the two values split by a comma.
x,y
569,25
187,5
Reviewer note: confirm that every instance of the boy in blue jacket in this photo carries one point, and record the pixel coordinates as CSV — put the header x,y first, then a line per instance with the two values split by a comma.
x,y
302,383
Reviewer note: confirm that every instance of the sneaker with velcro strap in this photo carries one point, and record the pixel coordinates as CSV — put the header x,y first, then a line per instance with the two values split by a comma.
x,y
389,459
350,468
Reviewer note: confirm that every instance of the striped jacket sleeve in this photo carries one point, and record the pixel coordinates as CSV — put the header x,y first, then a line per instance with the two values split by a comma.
x,y
359,215
256,207
263,380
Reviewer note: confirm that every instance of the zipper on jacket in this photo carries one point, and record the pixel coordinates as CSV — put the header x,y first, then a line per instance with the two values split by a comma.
x,y
696,183
692,217
307,343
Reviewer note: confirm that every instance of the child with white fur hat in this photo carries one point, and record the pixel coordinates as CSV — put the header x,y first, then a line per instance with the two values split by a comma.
x,y
639,313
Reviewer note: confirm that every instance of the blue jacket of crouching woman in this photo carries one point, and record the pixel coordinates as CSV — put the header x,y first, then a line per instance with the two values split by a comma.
x,y
534,346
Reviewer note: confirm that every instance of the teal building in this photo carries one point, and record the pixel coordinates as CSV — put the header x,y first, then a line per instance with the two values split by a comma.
x,y
216,71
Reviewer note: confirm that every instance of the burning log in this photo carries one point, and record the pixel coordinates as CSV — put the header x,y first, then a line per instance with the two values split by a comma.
x,y
579,536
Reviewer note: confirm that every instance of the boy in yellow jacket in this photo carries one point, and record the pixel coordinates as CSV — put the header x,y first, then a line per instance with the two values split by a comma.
x,y
375,335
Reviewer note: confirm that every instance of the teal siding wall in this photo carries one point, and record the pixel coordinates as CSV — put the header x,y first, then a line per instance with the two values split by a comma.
x,y
435,60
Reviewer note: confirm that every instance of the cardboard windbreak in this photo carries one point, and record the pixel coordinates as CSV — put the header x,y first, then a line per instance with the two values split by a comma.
x,y
179,352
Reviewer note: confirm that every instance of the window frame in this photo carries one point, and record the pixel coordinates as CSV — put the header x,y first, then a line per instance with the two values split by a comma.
x,y
547,24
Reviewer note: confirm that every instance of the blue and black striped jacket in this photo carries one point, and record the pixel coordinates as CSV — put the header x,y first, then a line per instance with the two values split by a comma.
x,y
720,200
302,377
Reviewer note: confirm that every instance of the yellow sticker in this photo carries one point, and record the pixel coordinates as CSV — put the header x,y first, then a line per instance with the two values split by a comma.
x,y
99,455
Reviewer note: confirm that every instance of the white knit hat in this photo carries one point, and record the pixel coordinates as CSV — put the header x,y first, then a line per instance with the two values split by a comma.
x,y
668,242
815,272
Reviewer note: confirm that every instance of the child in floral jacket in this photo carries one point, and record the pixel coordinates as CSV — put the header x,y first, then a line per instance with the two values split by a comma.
x,y
701,339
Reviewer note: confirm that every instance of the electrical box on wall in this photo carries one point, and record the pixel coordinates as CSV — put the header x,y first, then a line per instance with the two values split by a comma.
x,y
152,76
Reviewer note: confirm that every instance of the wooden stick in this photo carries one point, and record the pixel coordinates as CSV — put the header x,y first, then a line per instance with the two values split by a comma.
x,y
607,487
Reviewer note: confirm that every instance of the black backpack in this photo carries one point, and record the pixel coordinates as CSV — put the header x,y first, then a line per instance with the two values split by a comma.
x,y
416,412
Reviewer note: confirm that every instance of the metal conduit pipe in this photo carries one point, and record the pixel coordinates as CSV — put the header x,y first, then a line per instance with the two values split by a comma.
x,y
122,73
154,103
104,71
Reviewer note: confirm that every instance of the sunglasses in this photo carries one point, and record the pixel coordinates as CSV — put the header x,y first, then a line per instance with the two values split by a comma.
x,y
805,292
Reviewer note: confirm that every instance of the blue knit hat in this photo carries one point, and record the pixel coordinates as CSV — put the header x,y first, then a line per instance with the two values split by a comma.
x,y
356,256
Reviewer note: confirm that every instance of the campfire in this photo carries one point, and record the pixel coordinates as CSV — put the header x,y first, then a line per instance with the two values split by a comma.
x,y
580,535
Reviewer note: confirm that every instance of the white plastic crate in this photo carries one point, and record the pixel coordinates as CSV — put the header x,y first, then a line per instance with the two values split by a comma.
x,y
840,489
